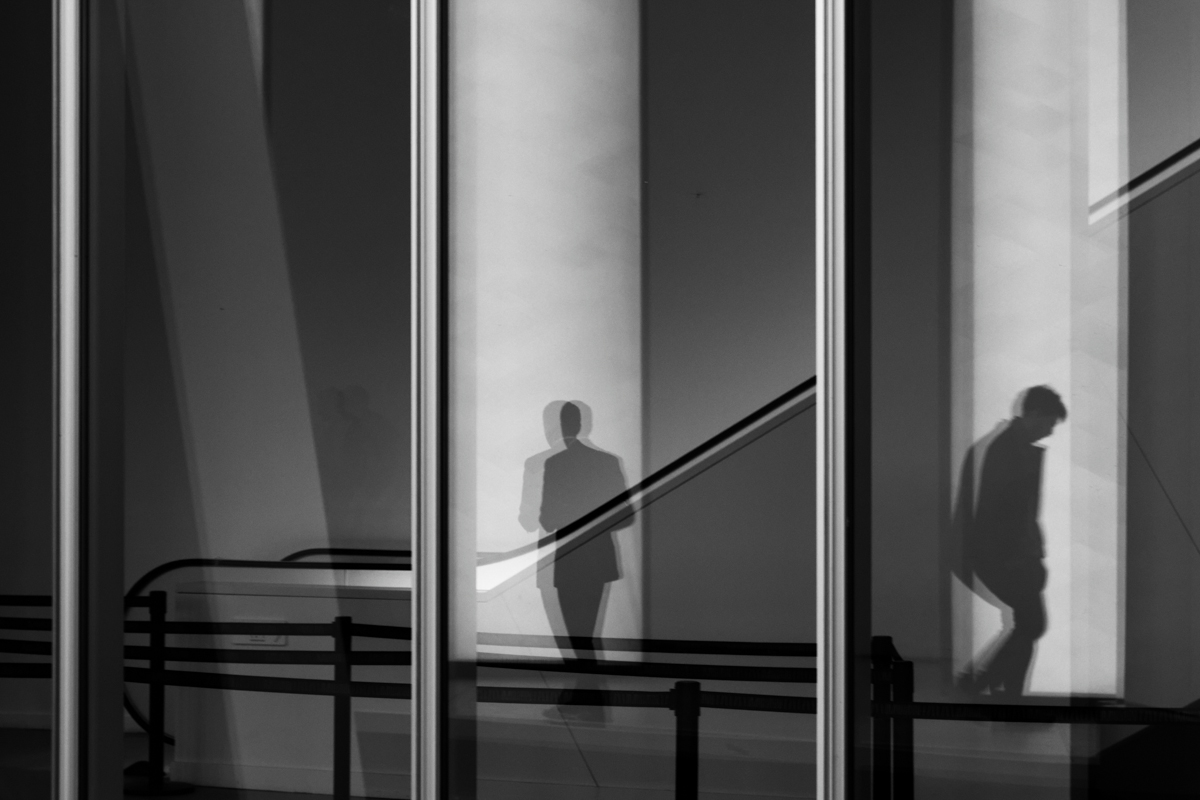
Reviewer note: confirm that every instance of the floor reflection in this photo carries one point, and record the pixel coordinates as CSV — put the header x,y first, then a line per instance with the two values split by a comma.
x,y
742,753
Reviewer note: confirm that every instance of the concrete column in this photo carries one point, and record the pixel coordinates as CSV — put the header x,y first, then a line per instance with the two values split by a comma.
x,y
544,267
1037,300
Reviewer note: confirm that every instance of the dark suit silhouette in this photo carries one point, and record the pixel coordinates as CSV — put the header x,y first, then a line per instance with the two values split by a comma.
x,y
996,542
1007,552
1004,547
575,481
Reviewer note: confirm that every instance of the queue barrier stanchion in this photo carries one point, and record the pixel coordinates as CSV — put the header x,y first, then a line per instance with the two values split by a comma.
x,y
903,771
156,783
158,615
343,646
686,699
881,692
686,703
893,681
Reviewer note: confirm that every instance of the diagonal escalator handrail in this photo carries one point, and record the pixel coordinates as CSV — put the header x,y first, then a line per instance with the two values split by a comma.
x,y
662,481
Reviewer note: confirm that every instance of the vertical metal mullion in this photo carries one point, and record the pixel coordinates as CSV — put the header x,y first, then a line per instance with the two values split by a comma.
x,y
68,363
833,734
429,656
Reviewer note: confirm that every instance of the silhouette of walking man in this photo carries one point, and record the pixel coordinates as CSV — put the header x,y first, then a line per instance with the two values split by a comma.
x,y
1007,547
577,480
562,486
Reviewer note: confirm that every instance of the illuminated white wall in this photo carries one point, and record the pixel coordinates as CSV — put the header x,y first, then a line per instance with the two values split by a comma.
x,y
545,264
1037,300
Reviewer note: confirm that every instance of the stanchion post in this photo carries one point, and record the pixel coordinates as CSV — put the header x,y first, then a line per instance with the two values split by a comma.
x,y
341,708
881,692
686,697
158,641
156,783
902,733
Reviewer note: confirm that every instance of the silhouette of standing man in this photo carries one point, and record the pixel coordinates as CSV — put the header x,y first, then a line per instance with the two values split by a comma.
x,y
1007,544
576,480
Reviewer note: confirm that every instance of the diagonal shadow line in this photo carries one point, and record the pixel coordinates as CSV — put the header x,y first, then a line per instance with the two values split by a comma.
x,y
1161,485
1150,174
661,476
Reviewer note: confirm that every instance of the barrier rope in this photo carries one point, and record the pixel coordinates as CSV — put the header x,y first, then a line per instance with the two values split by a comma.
x,y
893,707
671,646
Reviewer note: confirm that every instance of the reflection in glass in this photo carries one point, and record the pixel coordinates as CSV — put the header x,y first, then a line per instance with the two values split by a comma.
x,y
26,405
1031,246
629,277
1005,540
576,478
266,390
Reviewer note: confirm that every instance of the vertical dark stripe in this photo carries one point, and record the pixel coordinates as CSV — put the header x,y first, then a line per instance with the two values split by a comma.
x,y
102,432
858,393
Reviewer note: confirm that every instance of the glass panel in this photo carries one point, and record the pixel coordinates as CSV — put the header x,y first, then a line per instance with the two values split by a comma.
x,y
267,392
26,473
631,228
1033,551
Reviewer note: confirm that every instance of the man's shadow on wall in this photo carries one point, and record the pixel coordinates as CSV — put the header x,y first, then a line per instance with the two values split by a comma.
x,y
958,545
998,548
560,485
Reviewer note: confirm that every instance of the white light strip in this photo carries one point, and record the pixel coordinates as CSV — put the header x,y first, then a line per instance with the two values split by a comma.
x,y
427,678
832,605
67,355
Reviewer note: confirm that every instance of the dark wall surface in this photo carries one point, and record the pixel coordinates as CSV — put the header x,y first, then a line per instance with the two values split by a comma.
x,y
25,282
910,324
1162,638
26,328
334,83
338,110
1162,456
728,205
728,311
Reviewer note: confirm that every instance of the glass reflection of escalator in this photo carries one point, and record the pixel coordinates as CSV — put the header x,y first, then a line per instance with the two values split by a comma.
x,y
501,569
742,601
727,551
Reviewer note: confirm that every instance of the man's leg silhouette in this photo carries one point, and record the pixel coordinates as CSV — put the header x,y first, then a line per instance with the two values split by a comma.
x,y
580,605
1019,585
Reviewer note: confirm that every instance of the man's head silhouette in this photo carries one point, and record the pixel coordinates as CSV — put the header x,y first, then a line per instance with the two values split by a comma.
x,y
570,419
1041,409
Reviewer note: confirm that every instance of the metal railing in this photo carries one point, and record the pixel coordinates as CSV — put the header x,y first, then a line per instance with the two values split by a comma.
x,y
293,561
11,669
893,706
685,699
